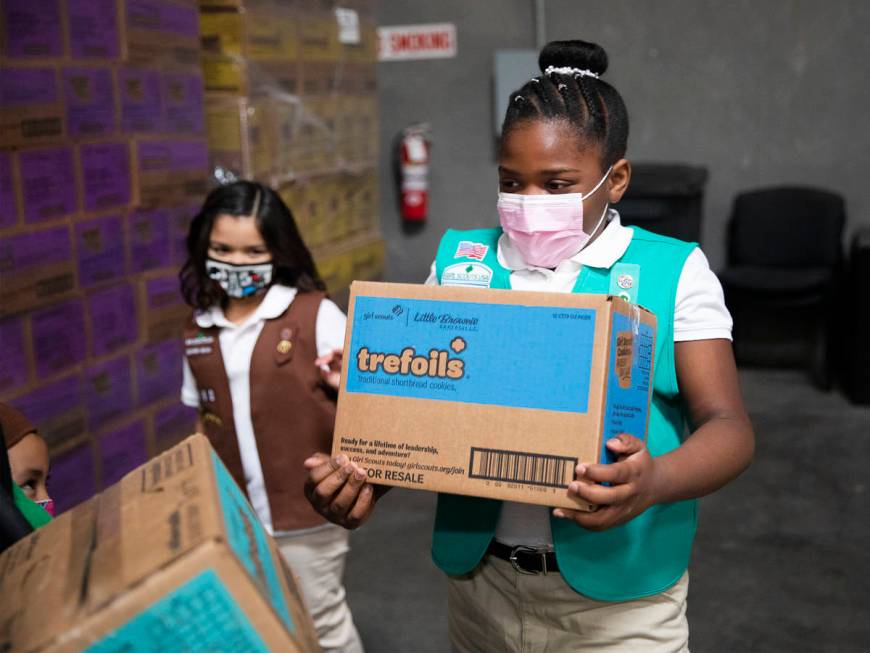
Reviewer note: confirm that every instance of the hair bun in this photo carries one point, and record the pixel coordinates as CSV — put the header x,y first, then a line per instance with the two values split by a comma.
x,y
573,54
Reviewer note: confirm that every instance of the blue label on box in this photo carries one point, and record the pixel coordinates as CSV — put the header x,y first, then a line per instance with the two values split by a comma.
x,y
249,541
198,617
496,354
631,361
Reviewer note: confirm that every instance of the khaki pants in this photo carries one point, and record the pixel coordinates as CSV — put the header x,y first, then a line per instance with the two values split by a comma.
x,y
495,609
317,560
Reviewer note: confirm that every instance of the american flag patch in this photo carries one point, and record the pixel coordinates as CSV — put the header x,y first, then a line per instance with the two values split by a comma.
x,y
468,249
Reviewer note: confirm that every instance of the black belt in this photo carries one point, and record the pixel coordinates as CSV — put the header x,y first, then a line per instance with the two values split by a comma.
x,y
525,559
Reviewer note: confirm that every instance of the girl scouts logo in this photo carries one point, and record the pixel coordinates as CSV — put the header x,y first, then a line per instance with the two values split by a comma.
x,y
476,275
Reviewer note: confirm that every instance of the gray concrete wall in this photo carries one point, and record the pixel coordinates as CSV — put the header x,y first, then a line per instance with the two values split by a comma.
x,y
759,92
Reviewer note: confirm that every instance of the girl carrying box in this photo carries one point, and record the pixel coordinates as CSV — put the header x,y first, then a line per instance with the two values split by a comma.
x,y
522,578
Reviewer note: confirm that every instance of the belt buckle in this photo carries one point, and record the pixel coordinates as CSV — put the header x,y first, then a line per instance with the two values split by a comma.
x,y
528,549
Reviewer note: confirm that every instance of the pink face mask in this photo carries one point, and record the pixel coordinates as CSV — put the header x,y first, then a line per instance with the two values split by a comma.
x,y
546,229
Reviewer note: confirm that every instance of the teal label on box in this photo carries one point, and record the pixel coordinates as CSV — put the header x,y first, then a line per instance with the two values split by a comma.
x,y
631,359
497,354
200,616
248,540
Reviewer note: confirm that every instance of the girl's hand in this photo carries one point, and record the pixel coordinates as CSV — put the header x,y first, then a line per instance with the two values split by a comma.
x,y
330,367
338,490
633,486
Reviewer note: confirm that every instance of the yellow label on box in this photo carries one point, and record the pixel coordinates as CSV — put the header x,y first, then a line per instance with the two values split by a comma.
x,y
221,31
224,75
272,37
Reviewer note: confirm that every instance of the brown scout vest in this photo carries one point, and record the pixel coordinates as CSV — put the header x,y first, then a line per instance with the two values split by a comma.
x,y
292,413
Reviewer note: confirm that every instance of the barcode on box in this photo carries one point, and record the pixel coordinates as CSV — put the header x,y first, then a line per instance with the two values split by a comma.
x,y
521,467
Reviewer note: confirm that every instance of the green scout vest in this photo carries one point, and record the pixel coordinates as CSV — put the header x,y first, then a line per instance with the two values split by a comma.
x,y
646,555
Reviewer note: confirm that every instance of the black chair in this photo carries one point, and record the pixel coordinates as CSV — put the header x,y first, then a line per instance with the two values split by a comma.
x,y
785,257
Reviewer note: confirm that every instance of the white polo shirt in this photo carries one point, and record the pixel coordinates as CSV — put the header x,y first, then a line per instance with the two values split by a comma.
x,y
237,346
699,314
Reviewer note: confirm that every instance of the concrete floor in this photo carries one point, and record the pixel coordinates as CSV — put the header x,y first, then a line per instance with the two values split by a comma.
x,y
781,561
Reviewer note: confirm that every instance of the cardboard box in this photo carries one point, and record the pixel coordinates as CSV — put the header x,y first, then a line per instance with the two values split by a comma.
x,y
56,409
32,109
171,558
37,268
8,199
89,92
368,260
112,317
141,101
164,310
336,269
259,33
15,370
239,137
170,172
93,28
161,32
489,393
31,29
48,167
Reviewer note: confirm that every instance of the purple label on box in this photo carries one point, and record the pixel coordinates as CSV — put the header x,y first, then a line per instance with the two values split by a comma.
x,y
106,170
158,371
173,156
48,183
174,421
58,337
8,205
33,29
113,319
149,240
100,245
181,219
108,391
93,29
162,293
90,101
163,16
141,107
51,401
72,477
122,451
13,371
20,254
183,103
22,87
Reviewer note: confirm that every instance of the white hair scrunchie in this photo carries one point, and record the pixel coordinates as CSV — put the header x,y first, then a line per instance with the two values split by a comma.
x,y
567,70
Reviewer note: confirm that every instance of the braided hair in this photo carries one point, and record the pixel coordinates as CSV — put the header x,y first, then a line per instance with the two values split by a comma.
x,y
589,105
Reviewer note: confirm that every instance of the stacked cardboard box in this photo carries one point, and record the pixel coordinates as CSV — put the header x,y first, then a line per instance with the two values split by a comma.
x,y
102,165
171,558
291,100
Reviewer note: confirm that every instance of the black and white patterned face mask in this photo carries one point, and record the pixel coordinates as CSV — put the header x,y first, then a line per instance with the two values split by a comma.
x,y
239,281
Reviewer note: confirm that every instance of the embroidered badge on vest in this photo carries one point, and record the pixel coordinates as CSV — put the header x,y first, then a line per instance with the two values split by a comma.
x,y
476,275
198,345
469,249
284,348
625,281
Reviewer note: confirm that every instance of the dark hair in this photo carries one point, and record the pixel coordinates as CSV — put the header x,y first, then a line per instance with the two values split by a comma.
x,y
592,107
293,264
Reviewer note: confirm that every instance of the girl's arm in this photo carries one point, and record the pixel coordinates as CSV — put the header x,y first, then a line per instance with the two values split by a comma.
x,y
718,450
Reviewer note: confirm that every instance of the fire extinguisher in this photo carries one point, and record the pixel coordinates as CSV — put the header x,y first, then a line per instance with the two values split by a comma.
x,y
413,169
